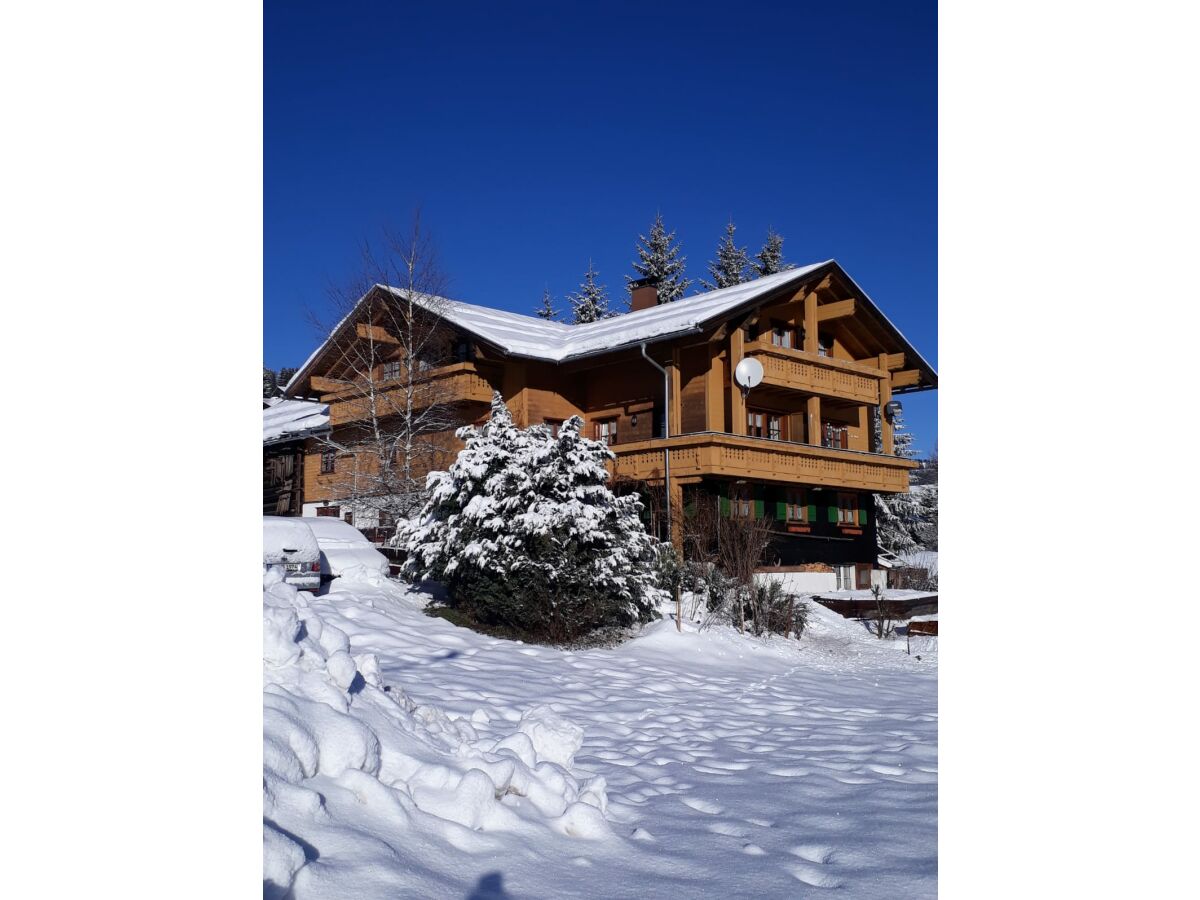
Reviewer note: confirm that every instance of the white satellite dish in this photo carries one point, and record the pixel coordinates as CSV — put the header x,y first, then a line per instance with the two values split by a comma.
x,y
748,374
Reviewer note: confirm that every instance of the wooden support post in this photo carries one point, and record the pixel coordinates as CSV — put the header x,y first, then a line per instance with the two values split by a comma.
x,y
676,421
676,501
714,390
513,389
864,427
810,322
737,401
814,421
886,432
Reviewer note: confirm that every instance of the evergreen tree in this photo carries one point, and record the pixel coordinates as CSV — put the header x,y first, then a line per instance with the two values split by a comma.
x,y
590,303
658,257
897,516
547,309
770,257
523,531
270,387
731,265
285,375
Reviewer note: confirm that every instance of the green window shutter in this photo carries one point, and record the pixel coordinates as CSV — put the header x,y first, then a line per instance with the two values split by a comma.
x,y
833,513
862,515
812,512
724,506
759,511
781,510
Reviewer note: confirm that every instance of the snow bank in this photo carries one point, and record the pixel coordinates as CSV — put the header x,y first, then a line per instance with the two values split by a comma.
x,y
287,539
333,729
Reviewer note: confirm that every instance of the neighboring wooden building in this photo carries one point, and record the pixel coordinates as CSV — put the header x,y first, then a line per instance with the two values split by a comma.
x,y
287,426
799,449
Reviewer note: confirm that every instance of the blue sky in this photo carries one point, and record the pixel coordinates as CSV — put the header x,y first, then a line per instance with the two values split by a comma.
x,y
537,136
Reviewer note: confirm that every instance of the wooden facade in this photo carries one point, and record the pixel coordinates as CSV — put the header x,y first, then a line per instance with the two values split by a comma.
x,y
831,365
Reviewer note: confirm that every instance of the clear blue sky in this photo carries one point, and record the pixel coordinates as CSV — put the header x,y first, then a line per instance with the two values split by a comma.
x,y
537,136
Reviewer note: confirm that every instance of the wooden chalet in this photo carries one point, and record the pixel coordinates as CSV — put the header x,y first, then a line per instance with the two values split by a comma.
x,y
802,448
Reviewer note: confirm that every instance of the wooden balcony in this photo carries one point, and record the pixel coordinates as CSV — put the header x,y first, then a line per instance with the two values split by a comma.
x,y
464,382
822,375
734,456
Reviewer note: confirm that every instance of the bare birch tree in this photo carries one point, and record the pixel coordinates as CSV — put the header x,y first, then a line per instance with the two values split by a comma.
x,y
390,342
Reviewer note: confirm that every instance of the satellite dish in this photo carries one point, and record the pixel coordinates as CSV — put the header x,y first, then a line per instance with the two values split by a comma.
x,y
748,374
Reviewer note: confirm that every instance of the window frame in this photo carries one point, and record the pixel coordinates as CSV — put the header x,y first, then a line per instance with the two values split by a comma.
x,y
843,508
602,431
741,501
781,332
391,370
796,500
328,462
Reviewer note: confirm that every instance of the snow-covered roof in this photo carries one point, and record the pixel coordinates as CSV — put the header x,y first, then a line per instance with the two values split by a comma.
x,y
290,420
534,338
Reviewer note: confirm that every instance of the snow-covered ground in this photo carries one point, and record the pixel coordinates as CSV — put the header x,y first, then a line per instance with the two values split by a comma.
x,y
709,764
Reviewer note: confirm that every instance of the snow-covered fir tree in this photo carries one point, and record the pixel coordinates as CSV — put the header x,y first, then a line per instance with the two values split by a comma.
x,y
897,516
731,266
658,257
547,310
769,260
590,303
523,531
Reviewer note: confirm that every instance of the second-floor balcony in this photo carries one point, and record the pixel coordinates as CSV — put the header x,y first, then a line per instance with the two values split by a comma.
x,y
736,456
797,370
460,382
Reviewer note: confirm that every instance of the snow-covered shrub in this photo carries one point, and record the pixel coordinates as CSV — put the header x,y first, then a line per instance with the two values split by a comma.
x,y
523,531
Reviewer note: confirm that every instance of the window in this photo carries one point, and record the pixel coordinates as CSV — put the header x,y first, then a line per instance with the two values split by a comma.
x,y
464,351
333,511
741,502
764,424
845,577
328,461
348,518
755,423
836,436
824,345
606,431
847,509
554,425
391,370
782,336
797,507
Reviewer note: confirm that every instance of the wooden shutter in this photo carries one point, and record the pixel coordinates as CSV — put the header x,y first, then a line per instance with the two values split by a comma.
x,y
833,512
812,512
862,515
781,510
724,505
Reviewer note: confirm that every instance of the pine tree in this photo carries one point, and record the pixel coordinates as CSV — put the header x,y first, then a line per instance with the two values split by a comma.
x,y
897,516
547,309
731,265
523,531
285,375
770,257
658,257
590,303
270,388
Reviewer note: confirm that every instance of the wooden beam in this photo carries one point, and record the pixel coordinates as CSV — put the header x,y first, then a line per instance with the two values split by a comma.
x,y
676,421
810,322
714,390
376,333
907,378
814,421
737,402
895,361
323,385
838,310
886,435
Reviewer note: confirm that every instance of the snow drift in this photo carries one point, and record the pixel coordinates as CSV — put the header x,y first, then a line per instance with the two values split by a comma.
x,y
332,728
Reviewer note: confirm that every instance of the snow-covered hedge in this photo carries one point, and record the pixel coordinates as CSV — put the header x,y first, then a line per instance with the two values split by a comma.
x,y
524,531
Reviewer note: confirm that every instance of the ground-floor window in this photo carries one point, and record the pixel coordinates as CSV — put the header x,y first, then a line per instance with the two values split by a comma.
x,y
845,577
333,511
797,505
741,501
606,431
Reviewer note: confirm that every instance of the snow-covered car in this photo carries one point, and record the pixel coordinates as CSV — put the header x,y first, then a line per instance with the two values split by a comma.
x,y
345,553
290,546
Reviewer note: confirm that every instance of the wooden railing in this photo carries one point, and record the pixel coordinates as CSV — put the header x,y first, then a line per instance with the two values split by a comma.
x,y
713,453
823,375
459,382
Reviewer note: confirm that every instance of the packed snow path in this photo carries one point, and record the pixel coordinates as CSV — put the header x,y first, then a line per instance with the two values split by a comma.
x,y
734,767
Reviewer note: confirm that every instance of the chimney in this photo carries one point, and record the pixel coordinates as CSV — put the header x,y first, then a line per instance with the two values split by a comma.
x,y
643,294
